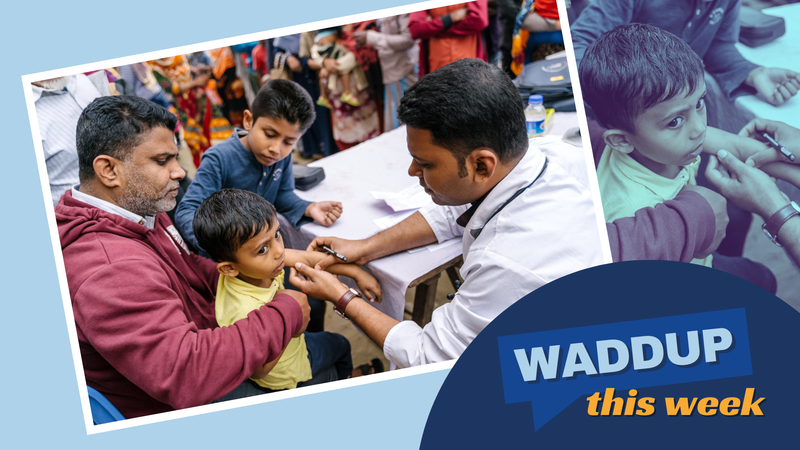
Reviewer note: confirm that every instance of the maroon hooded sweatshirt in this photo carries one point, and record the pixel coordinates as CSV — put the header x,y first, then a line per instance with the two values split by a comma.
x,y
144,311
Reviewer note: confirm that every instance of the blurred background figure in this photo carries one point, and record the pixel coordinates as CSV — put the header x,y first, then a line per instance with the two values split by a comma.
x,y
449,33
59,102
398,56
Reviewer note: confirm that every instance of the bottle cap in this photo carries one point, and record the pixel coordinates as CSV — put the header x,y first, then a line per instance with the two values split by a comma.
x,y
535,99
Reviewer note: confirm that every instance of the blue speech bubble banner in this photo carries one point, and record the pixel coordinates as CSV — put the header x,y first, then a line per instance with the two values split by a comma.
x,y
551,369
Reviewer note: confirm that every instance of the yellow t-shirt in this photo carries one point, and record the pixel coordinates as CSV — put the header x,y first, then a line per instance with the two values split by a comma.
x,y
627,186
235,299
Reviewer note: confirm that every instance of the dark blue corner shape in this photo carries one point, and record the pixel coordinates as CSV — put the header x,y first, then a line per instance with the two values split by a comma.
x,y
470,411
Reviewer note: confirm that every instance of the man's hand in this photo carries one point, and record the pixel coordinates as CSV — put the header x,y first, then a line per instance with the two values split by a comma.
x,y
354,251
360,37
329,64
324,213
720,207
458,15
745,186
302,300
294,64
786,135
317,283
776,85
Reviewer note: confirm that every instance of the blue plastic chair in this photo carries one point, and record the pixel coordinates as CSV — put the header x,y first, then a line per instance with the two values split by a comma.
x,y
102,409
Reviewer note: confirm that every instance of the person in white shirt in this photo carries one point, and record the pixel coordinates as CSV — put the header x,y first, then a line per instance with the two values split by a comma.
x,y
59,102
529,221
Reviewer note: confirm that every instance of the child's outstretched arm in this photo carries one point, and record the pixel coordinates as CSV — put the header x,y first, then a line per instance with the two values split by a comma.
x,y
743,146
368,285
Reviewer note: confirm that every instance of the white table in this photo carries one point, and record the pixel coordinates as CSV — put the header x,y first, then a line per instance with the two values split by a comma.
x,y
783,52
381,164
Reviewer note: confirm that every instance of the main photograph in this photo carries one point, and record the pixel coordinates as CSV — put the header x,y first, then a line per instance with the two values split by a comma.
x,y
207,202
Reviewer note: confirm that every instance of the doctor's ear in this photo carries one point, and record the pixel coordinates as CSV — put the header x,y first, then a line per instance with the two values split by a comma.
x,y
618,141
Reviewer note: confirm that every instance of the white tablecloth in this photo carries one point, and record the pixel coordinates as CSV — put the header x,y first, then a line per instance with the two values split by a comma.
x,y
381,164
783,52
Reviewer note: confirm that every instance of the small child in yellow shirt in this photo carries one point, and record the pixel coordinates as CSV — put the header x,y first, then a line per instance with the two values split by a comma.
x,y
240,230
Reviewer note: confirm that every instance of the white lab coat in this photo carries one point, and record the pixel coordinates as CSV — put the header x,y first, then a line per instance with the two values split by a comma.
x,y
547,232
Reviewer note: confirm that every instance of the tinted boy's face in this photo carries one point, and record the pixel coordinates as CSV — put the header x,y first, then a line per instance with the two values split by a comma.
x,y
270,139
262,257
672,132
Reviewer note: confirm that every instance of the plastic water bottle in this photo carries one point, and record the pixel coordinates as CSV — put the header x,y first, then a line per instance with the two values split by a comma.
x,y
535,116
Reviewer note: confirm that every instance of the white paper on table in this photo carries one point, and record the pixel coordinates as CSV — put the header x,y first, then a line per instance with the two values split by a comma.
x,y
412,197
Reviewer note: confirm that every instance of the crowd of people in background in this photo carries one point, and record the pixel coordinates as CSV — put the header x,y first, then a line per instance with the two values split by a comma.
x,y
357,82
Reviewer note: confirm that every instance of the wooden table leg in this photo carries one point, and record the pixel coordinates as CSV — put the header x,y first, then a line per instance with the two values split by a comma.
x,y
424,300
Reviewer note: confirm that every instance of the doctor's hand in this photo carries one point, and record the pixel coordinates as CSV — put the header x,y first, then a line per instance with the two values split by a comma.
x,y
775,84
317,283
354,251
786,135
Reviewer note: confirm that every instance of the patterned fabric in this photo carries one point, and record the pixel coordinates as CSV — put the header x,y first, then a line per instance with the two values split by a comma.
x,y
204,124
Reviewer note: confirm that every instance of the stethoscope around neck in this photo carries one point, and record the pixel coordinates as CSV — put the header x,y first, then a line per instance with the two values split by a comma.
x,y
475,232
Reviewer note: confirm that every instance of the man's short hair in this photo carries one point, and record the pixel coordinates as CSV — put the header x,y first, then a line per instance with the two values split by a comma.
x,y
633,68
284,99
114,126
466,105
229,218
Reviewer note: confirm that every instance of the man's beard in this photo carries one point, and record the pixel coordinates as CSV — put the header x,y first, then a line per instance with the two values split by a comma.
x,y
140,197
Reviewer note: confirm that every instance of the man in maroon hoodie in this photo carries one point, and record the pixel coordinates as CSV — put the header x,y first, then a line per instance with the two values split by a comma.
x,y
143,303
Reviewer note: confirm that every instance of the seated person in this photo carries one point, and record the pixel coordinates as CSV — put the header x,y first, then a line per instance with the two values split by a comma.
x,y
326,45
240,230
143,303
647,87
256,160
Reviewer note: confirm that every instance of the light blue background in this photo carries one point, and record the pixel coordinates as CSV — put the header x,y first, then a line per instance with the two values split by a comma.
x,y
40,402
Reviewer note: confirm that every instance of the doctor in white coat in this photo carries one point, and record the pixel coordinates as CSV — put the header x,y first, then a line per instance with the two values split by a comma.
x,y
525,220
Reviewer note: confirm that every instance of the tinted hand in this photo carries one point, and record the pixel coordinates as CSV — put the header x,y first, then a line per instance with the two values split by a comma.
x,y
747,187
720,207
786,135
302,300
317,283
354,251
776,85
324,213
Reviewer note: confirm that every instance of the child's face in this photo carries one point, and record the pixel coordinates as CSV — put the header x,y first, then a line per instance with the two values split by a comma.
x,y
262,257
270,139
672,132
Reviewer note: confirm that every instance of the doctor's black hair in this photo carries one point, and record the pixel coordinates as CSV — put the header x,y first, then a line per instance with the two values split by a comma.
x,y
114,126
633,68
229,218
284,99
466,105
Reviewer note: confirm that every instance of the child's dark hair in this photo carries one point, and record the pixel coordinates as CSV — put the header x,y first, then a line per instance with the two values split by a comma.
x,y
229,218
635,67
284,99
